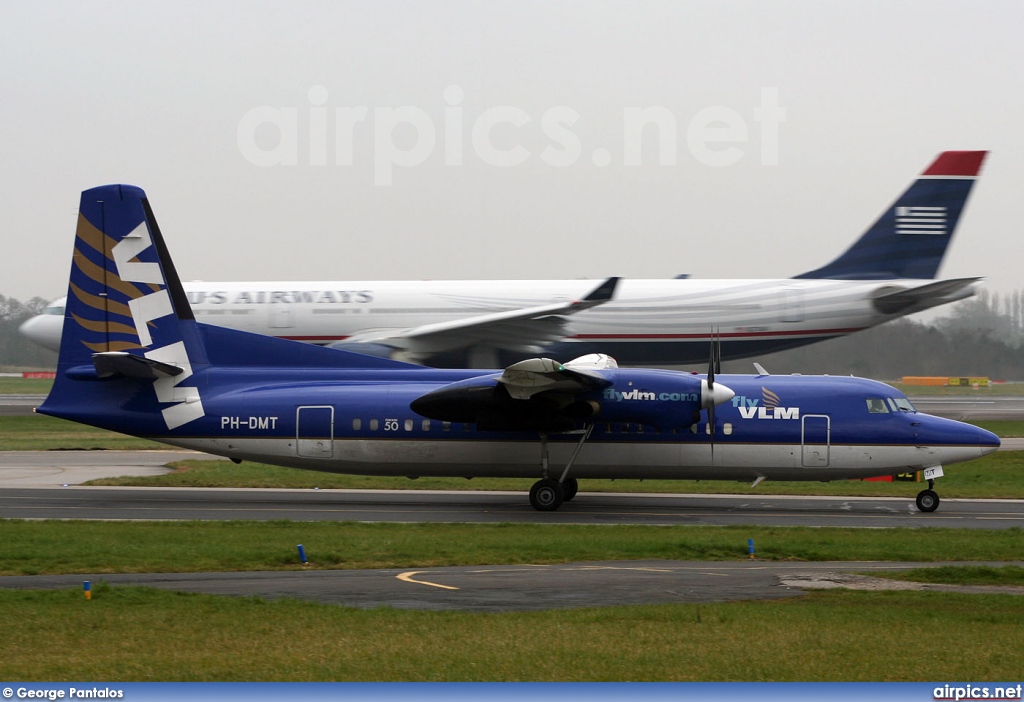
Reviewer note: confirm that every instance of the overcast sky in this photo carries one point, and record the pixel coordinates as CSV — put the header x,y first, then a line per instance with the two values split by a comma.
x,y
504,131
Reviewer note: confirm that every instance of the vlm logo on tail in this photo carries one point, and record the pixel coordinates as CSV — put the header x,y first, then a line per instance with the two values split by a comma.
x,y
750,409
116,275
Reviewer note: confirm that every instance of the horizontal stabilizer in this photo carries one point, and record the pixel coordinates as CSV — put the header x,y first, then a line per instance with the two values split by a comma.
x,y
110,363
924,296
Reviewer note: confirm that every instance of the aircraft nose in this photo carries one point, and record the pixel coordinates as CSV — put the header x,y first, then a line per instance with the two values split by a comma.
x,y
987,441
43,329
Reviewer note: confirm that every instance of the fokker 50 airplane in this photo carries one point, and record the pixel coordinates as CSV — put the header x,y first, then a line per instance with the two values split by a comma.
x,y
886,274
133,359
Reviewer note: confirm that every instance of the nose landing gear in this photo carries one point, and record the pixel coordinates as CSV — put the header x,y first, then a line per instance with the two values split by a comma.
x,y
928,500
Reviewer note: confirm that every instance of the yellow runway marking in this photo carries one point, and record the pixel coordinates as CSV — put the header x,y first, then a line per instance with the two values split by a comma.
x,y
407,577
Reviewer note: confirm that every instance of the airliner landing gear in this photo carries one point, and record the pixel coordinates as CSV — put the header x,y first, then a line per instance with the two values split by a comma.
x,y
928,500
548,494
570,486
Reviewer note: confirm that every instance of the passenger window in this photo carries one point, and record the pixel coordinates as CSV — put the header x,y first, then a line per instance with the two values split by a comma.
x,y
373,425
876,405
357,424
446,426
426,425
727,428
408,425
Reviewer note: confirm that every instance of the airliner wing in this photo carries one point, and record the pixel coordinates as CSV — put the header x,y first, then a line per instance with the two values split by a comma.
x,y
908,300
524,329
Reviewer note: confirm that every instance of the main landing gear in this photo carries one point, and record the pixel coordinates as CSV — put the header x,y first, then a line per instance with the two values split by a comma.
x,y
928,500
548,494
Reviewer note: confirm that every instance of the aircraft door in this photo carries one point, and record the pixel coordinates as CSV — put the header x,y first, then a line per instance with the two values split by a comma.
x,y
791,306
314,431
815,436
281,315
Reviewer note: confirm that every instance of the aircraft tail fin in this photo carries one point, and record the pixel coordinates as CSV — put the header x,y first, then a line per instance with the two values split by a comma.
x,y
123,294
130,344
910,239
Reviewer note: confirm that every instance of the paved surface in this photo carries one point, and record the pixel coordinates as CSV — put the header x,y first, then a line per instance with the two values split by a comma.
x,y
522,587
412,506
967,408
17,405
33,469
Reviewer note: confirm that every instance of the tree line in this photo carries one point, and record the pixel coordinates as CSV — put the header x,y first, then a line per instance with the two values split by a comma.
x,y
980,336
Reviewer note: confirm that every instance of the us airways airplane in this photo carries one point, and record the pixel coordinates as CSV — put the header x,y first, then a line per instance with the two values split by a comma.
x,y
886,274
133,359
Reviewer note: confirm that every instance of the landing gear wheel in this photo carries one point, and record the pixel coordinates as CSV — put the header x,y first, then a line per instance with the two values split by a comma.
x,y
546,495
569,489
927,501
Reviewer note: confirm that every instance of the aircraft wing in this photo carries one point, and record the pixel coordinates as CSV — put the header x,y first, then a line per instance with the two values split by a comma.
x,y
893,300
524,329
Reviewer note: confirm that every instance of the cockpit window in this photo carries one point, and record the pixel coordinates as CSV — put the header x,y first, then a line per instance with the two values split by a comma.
x,y
876,405
903,405
54,310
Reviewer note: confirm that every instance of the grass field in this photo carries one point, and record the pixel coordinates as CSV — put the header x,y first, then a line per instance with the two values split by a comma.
x,y
140,634
25,386
143,634
962,575
37,432
57,547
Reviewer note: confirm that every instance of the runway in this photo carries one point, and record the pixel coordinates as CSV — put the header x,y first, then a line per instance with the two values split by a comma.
x,y
528,587
414,506
45,485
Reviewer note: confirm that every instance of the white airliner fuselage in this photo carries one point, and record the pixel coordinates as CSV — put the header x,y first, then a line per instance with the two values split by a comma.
x,y
649,322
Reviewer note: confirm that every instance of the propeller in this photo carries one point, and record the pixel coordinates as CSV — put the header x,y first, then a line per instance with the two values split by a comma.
x,y
714,393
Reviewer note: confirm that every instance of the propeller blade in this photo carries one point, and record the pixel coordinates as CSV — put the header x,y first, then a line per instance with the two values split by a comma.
x,y
711,362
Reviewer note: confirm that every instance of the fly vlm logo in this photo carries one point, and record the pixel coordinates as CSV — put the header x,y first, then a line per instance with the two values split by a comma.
x,y
188,404
751,409
634,394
